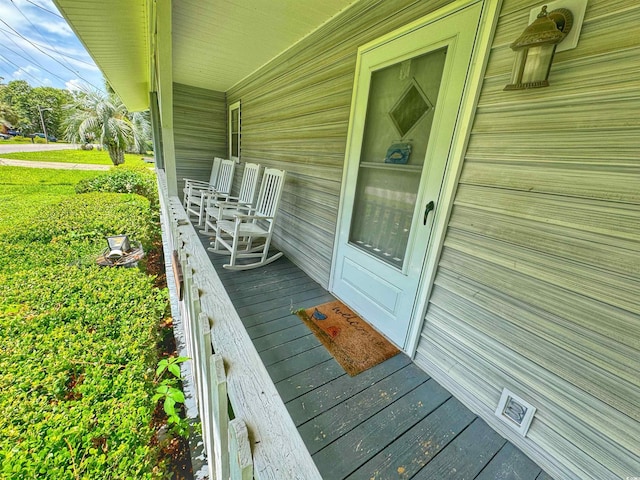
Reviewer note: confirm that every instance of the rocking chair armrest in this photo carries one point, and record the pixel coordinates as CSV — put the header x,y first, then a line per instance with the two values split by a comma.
x,y
234,204
212,193
242,218
192,181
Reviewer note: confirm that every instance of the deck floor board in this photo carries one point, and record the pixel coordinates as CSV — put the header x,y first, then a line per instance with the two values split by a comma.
x,y
341,389
508,461
309,379
347,453
417,446
348,415
267,328
391,421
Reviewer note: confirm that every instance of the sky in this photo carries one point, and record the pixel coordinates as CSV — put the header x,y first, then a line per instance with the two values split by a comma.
x,y
38,46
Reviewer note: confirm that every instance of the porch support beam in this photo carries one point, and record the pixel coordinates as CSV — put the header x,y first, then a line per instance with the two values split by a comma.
x,y
164,80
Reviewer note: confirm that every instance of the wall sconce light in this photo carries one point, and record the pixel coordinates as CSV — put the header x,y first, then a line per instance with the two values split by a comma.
x,y
536,46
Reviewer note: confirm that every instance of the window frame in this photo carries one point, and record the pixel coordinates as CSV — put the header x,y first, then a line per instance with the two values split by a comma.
x,y
233,107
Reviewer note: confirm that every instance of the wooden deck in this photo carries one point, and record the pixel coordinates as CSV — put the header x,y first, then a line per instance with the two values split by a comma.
x,y
390,422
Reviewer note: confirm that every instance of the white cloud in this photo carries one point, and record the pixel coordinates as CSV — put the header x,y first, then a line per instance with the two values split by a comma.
x,y
26,71
75,84
56,28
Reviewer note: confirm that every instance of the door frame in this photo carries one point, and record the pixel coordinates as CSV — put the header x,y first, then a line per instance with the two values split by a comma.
x,y
479,57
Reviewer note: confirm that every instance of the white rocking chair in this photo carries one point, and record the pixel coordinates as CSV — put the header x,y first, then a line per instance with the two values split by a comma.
x,y
215,209
237,236
213,178
197,195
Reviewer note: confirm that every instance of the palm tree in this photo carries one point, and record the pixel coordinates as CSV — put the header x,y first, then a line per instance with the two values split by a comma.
x,y
141,132
103,118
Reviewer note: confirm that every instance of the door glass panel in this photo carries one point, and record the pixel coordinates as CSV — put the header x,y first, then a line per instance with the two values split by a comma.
x,y
402,99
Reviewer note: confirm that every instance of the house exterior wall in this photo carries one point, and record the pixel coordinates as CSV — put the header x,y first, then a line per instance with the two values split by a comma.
x,y
199,124
538,280
295,116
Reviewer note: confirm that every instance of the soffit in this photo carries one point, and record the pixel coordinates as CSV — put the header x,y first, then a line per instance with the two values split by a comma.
x,y
115,33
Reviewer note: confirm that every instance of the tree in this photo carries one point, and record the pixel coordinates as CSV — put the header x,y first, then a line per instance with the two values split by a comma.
x,y
15,94
52,102
141,132
103,118
8,115
27,102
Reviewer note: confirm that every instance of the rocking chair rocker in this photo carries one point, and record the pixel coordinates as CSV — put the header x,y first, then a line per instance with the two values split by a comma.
x,y
236,237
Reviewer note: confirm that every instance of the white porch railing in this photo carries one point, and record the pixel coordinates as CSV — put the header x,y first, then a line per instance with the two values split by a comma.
x,y
261,442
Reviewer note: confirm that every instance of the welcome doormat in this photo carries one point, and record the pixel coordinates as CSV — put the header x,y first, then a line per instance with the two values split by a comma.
x,y
354,344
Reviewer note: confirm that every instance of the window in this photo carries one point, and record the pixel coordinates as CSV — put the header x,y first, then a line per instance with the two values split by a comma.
x,y
234,131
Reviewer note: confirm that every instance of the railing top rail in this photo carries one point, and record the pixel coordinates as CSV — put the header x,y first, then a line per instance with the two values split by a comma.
x,y
277,448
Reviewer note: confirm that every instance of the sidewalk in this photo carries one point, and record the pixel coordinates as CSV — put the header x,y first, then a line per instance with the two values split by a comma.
x,y
59,165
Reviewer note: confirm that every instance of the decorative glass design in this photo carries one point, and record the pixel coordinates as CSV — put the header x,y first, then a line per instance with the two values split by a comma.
x,y
412,105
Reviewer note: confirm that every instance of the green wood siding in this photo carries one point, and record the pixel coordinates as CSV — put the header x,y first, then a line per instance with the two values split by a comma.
x,y
199,125
538,282
295,115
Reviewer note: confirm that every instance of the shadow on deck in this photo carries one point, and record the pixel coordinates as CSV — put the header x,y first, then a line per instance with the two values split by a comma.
x,y
390,422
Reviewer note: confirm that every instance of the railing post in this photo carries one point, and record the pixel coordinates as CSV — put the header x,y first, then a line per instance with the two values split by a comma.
x,y
185,308
196,354
204,393
219,408
241,463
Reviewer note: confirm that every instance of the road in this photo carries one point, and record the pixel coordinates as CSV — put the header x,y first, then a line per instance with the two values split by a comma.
x,y
34,147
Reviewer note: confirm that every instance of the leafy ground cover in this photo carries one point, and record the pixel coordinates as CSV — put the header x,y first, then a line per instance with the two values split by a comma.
x,y
79,343
98,157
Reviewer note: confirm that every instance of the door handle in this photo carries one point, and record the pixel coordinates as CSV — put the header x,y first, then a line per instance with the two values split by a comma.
x,y
430,206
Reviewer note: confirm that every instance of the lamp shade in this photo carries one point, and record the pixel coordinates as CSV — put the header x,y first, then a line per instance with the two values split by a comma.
x,y
118,245
535,48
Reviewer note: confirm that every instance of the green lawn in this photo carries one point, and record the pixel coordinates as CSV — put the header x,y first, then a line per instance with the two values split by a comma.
x,y
74,156
25,191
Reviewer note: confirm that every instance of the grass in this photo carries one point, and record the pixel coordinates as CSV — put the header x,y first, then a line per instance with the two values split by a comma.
x,y
78,341
97,157
24,191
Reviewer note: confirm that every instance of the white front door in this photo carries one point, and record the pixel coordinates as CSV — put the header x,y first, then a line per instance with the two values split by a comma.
x,y
407,96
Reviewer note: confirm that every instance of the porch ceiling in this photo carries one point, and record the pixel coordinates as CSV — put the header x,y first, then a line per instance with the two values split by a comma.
x,y
216,43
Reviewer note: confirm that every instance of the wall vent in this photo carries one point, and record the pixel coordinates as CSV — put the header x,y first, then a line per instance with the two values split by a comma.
x,y
515,412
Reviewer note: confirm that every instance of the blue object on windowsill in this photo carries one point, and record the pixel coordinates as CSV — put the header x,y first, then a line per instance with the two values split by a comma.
x,y
398,153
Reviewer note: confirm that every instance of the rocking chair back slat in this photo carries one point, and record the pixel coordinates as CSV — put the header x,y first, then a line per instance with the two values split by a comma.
x,y
225,177
249,183
270,189
215,169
